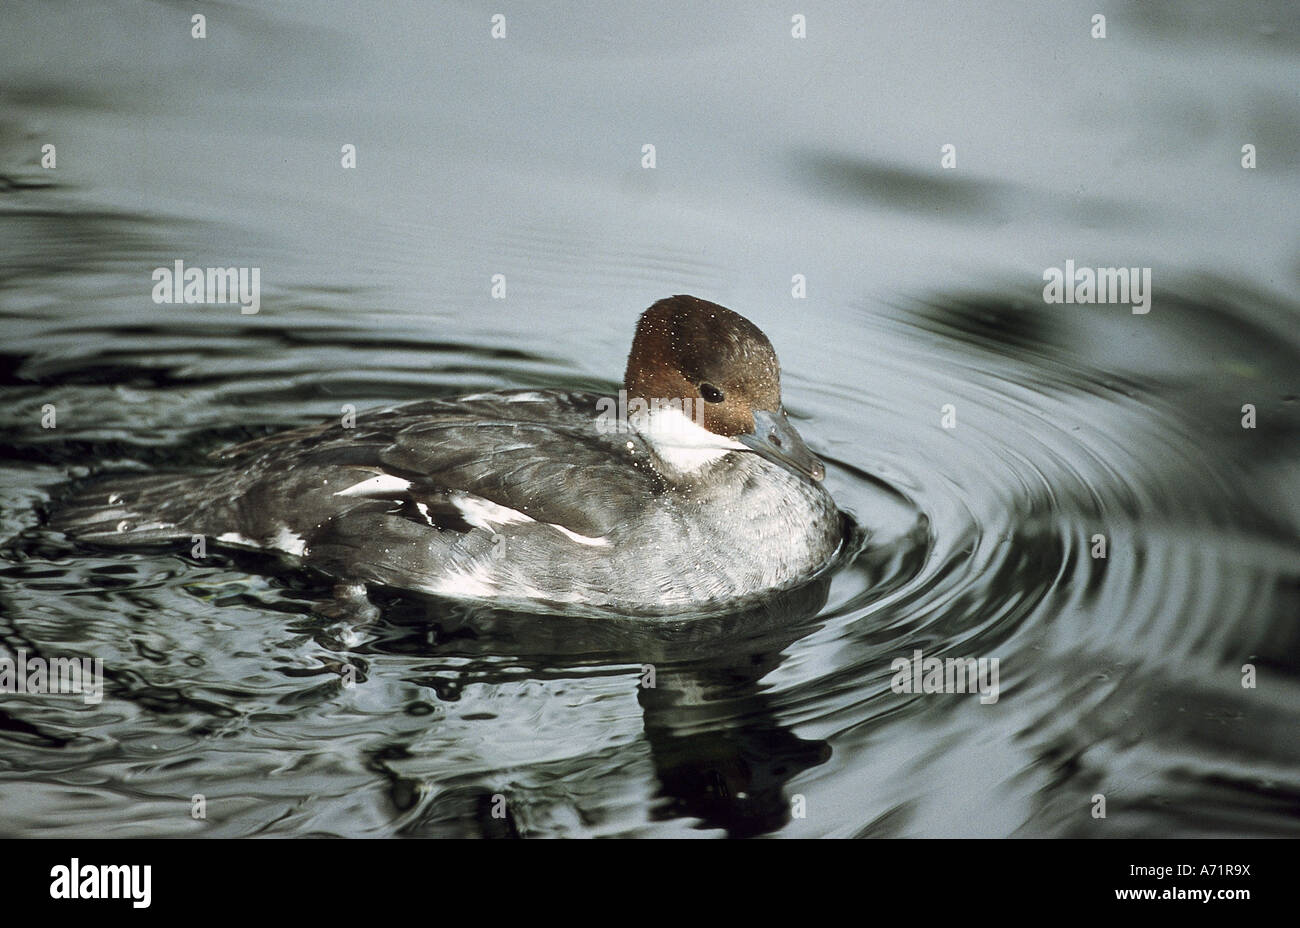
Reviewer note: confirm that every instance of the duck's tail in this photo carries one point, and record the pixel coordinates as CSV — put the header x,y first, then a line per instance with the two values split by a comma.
x,y
133,510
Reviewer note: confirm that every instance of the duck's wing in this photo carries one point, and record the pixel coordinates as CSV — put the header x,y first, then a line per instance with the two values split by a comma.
x,y
547,456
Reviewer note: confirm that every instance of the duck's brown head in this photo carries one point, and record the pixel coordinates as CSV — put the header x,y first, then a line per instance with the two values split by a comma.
x,y
690,349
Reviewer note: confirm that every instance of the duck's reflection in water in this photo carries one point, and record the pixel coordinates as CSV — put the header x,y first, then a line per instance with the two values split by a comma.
x,y
719,750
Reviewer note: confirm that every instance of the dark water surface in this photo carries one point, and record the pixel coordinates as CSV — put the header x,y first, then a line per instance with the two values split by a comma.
x,y
1119,676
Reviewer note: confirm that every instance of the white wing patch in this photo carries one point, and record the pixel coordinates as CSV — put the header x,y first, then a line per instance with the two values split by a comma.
x,y
289,543
284,540
234,538
475,510
461,581
487,515
377,486
524,396
597,542
483,513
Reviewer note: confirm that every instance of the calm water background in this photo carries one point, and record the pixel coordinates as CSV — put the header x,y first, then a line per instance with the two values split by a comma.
x,y
775,156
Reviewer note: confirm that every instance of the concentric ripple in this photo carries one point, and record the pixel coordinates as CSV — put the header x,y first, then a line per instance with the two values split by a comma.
x,y
989,445
1119,675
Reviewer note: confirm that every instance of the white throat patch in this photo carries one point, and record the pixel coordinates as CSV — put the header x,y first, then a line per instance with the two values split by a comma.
x,y
681,443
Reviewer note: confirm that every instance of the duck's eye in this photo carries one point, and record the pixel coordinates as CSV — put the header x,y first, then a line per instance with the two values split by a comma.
x,y
711,393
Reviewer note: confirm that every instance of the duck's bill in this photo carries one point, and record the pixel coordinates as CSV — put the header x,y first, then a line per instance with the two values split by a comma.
x,y
774,438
